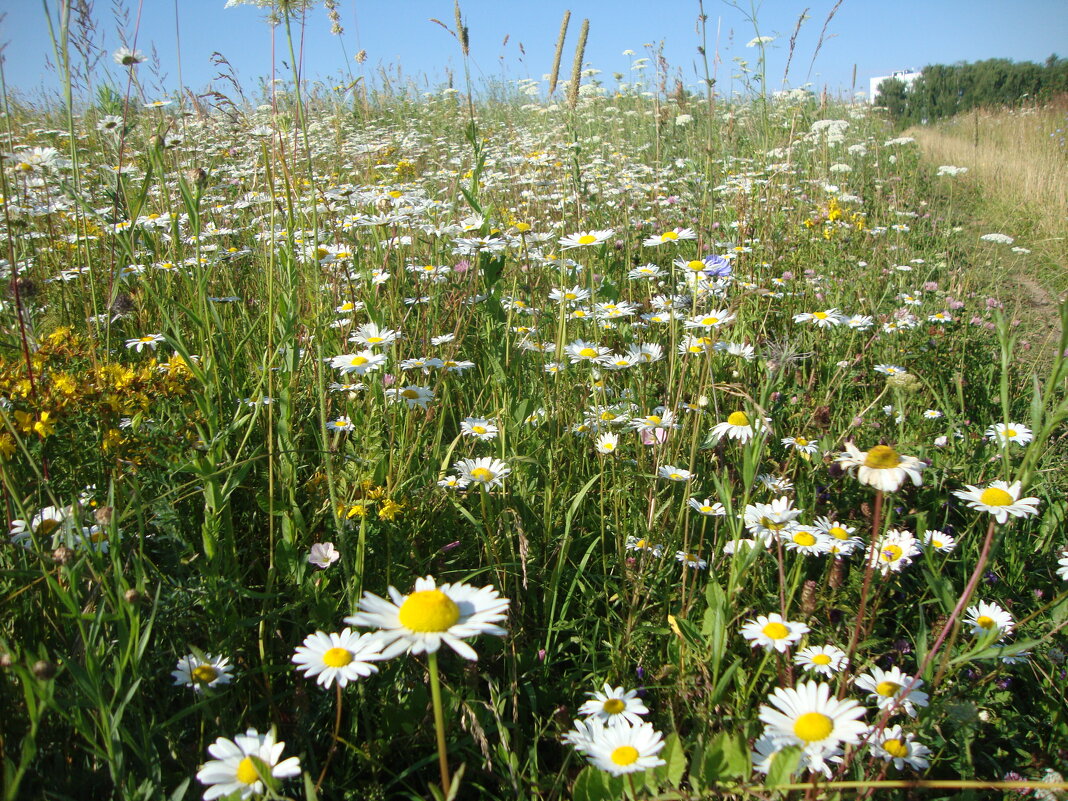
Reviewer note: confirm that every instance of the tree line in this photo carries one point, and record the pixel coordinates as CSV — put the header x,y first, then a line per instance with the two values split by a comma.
x,y
944,90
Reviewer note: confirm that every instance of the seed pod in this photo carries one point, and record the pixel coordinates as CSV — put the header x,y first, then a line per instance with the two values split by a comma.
x,y
44,670
808,597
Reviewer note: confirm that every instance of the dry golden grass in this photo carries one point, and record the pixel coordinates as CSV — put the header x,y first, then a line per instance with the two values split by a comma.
x,y
1016,155
1018,161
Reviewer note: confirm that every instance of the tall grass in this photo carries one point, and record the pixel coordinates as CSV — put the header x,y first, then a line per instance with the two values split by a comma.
x,y
188,436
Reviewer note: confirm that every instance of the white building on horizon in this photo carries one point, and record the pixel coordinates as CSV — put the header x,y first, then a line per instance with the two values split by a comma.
x,y
906,76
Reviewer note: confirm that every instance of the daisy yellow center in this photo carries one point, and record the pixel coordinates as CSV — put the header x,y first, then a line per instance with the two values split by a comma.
x,y
887,688
429,611
587,239
204,674
613,706
882,457
570,296
804,538
47,526
775,631
738,419
410,394
1010,432
246,771
588,353
479,429
801,441
669,235
994,496
895,748
709,320
772,525
676,475
985,621
337,657
937,543
706,508
482,474
838,533
608,446
696,266
820,315
813,726
375,340
892,552
821,659
625,755
358,360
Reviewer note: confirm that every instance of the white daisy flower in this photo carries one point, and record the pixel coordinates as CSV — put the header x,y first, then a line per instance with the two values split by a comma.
x,y
1000,499
642,544
585,238
882,467
1062,565
739,426
479,428
892,744
1013,432
691,560
771,519
707,507
607,443
209,672
939,541
824,659
892,689
894,551
336,657
360,363
432,615
624,748
986,617
821,319
810,716
487,471
772,631
613,706
672,473
241,764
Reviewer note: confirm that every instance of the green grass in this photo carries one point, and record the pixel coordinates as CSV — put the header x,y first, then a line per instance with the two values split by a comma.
x,y
209,499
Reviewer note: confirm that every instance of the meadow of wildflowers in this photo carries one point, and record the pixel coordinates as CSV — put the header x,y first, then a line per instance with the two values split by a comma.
x,y
641,445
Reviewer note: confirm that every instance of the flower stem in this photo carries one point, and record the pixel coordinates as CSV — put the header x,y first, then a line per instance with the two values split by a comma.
x,y
439,720
869,569
333,745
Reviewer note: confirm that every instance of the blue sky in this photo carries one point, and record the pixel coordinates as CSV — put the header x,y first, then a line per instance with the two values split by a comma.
x,y
876,37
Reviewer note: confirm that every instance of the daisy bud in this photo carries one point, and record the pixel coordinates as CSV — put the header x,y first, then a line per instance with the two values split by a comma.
x,y
44,670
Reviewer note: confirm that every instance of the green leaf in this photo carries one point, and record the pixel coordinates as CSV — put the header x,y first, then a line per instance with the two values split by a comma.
x,y
675,761
783,766
596,785
725,758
